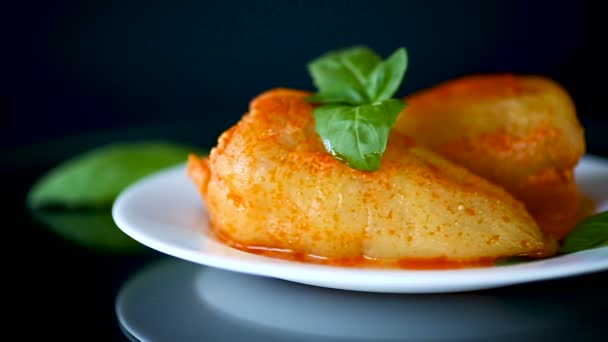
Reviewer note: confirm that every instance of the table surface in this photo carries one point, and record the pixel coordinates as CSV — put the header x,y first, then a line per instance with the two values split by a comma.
x,y
57,289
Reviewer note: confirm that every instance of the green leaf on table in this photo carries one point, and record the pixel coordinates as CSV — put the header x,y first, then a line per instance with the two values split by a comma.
x,y
74,199
94,179
91,229
357,135
592,232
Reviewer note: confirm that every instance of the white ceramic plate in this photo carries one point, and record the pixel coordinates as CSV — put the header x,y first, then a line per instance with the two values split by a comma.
x,y
165,212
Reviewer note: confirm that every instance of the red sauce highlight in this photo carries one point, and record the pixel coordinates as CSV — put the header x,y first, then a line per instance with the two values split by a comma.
x,y
586,208
440,263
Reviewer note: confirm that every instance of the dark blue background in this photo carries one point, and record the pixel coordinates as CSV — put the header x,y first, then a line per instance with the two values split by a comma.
x,y
71,67
75,74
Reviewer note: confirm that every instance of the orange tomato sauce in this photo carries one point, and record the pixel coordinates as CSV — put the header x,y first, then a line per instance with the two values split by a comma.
x,y
440,263
586,207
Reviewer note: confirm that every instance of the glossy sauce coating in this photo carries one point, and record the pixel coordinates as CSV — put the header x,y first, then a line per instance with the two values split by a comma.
x,y
587,207
438,263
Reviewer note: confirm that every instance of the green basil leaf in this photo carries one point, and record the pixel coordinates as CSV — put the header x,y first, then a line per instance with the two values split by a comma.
x,y
386,78
356,111
90,229
357,134
592,232
342,76
95,179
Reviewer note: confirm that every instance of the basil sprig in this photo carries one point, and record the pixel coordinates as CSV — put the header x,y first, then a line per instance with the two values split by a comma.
x,y
357,111
357,134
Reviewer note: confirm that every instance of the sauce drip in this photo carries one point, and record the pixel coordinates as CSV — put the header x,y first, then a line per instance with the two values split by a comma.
x,y
587,207
440,263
